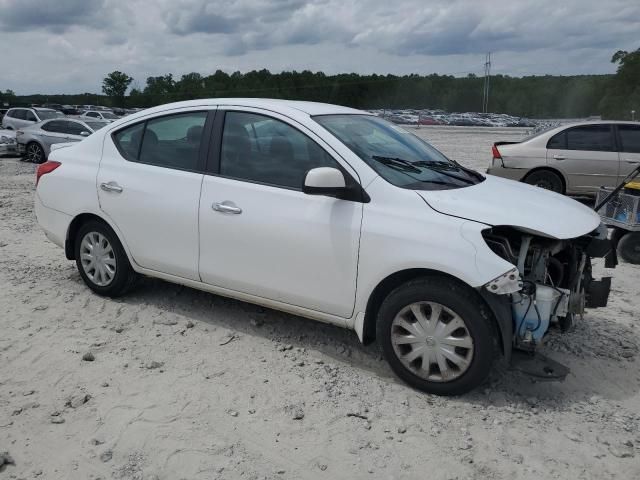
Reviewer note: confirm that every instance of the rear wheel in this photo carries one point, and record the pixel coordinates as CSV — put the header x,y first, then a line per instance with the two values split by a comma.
x,y
629,248
545,179
102,261
437,336
35,153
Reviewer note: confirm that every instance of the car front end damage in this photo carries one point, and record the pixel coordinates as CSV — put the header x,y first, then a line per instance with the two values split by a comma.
x,y
550,284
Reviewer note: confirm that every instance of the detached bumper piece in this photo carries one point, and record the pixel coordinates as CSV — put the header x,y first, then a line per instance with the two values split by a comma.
x,y
538,366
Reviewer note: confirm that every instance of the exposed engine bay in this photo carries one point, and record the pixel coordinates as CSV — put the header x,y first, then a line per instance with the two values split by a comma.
x,y
551,282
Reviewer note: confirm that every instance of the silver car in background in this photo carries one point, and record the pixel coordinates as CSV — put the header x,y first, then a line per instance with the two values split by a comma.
x,y
574,159
106,115
34,142
19,117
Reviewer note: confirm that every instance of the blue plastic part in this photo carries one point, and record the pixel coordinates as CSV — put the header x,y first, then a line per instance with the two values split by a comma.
x,y
527,318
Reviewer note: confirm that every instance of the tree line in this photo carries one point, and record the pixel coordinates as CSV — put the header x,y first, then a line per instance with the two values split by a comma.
x,y
548,96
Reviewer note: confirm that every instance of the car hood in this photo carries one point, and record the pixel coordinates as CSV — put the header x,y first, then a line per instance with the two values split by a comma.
x,y
497,201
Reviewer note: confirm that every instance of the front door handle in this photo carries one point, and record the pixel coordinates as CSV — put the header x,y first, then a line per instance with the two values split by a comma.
x,y
111,187
559,157
226,207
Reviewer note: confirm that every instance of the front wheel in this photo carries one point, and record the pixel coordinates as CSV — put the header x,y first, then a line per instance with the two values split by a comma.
x,y
102,261
629,247
437,336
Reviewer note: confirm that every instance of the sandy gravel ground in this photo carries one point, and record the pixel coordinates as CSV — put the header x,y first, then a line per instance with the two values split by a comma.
x,y
188,385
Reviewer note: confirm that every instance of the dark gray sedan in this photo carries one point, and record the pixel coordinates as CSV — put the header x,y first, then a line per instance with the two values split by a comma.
x,y
34,142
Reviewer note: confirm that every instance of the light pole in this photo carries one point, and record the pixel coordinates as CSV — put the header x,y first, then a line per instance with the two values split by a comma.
x,y
633,115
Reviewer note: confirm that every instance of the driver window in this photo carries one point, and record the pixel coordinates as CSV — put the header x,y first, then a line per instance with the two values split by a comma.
x,y
265,150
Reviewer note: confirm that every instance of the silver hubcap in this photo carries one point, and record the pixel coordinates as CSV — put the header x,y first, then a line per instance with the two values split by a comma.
x,y
98,259
432,341
34,153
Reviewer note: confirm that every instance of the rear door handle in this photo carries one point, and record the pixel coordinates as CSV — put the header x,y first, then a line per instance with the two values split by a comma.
x,y
226,207
111,187
559,157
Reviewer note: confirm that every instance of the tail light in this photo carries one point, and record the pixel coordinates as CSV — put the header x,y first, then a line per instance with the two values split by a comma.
x,y
496,153
44,168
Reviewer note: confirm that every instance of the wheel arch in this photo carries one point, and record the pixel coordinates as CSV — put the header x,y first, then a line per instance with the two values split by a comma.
x,y
547,168
77,222
500,313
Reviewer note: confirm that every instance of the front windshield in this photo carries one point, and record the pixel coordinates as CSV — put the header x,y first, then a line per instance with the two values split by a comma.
x,y
47,114
109,116
397,155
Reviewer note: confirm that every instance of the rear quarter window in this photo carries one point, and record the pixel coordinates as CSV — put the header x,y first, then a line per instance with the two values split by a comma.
x,y
128,141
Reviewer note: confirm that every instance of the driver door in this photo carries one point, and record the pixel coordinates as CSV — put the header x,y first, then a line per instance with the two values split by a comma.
x,y
259,233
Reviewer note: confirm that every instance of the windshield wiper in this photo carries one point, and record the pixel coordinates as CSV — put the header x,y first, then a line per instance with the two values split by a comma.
x,y
397,163
406,165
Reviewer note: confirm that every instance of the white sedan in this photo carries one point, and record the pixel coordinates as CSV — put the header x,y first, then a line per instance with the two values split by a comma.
x,y
332,214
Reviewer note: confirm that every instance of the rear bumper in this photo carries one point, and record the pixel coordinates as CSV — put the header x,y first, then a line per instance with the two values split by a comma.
x,y
510,173
55,224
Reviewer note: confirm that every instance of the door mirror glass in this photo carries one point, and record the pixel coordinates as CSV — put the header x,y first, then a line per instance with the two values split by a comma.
x,y
84,133
324,181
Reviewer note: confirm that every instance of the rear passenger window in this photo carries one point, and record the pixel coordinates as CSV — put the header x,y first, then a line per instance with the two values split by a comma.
x,y
629,138
590,137
128,141
558,141
54,126
172,141
19,114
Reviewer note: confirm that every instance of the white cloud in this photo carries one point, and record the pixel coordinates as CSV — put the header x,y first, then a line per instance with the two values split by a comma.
x,y
69,45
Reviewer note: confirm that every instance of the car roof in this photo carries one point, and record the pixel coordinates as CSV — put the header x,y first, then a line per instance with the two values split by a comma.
x,y
598,122
279,105
550,132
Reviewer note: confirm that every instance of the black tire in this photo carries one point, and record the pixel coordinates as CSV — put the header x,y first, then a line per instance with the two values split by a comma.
x,y
464,302
124,278
35,153
629,248
545,179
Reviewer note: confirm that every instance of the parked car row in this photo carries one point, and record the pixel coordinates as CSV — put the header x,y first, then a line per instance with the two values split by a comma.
x,y
440,117
35,129
35,142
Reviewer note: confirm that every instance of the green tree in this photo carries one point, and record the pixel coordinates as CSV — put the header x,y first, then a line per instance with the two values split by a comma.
x,y
115,86
623,93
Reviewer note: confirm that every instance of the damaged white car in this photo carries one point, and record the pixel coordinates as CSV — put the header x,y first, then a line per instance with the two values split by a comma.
x,y
333,214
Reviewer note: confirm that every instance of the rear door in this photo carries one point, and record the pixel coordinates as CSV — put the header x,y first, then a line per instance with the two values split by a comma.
x,y
149,185
29,118
587,156
629,146
55,131
19,116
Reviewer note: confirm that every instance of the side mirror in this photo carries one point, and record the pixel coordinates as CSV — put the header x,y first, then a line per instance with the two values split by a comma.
x,y
84,133
324,181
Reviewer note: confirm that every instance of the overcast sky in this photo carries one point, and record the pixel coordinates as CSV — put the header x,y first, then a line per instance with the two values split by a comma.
x,y
67,46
